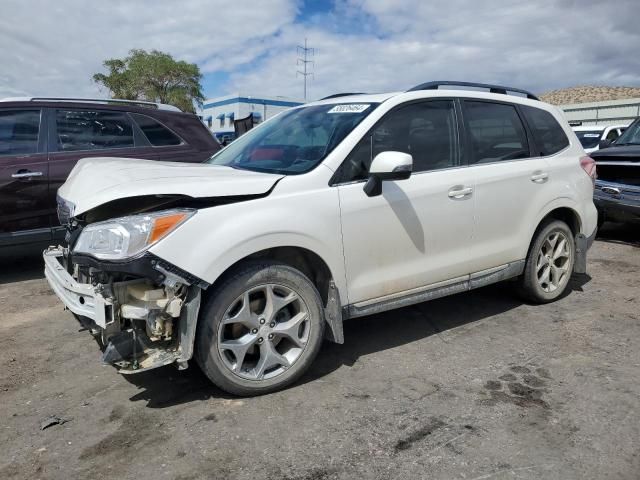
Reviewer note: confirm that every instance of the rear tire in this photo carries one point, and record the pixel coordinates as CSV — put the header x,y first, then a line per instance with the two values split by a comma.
x,y
549,264
260,329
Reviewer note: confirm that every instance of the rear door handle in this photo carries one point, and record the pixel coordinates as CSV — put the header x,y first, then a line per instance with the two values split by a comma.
x,y
26,174
539,177
459,192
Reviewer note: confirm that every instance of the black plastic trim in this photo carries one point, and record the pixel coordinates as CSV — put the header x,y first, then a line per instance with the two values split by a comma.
x,y
338,95
142,266
492,88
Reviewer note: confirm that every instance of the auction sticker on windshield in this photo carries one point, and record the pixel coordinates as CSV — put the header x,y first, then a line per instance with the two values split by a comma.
x,y
350,108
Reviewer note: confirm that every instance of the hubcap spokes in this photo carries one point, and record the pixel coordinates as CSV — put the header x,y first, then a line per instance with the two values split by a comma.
x,y
263,332
552,267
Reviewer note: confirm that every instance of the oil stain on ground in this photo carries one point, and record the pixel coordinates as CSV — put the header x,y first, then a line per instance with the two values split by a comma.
x,y
519,387
136,430
426,430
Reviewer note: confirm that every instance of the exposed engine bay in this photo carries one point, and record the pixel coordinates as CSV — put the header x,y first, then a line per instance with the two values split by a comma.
x,y
142,311
140,323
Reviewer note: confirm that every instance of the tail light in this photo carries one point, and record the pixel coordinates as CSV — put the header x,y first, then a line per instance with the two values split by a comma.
x,y
588,164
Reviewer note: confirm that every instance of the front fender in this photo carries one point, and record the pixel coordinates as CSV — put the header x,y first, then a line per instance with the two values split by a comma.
x,y
218,237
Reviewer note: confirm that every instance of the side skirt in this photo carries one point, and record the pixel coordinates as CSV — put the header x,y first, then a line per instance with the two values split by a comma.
x,y
431,292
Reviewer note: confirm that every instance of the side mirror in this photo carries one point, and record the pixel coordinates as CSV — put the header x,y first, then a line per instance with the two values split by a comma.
x,y
604,144
387,166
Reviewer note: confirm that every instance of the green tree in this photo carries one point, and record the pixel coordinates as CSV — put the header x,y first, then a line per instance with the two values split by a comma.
x,y
153,76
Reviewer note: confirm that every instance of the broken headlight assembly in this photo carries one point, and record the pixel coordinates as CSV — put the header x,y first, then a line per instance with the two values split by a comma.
x,y
126,237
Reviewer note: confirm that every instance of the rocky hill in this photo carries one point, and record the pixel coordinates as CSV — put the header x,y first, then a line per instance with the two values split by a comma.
x,y
586,94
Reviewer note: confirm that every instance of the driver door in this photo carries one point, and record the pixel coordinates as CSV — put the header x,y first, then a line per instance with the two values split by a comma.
x,y
419,231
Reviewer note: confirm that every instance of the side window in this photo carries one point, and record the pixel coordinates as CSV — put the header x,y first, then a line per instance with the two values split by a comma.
x,y
426,130
547,132
495,132
19,131
157,134
92,130
612,135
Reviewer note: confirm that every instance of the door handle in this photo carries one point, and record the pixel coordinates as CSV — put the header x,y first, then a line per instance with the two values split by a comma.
x,y
611,190
460,192
539,177
26,174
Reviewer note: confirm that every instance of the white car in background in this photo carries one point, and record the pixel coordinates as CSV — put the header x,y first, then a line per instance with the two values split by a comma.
x,y
590,136
340,208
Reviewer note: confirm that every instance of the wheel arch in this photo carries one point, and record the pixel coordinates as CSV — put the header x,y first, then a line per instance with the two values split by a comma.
x,y
564,209
561,212
567,215
314,267
303,259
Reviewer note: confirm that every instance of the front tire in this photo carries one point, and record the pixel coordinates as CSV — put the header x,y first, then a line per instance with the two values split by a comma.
x,y
549,263
261,329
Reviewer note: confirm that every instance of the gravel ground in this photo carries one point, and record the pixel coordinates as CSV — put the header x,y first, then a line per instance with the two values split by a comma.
x,y
474,386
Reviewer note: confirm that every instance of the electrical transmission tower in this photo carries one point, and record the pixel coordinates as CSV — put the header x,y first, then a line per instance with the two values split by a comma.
x,y
304,53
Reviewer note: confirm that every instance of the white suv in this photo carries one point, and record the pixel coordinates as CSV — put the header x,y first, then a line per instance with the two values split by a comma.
x,y
336,209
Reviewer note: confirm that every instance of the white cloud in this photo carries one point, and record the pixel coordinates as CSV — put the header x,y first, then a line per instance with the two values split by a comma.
x,y
395,45
53,48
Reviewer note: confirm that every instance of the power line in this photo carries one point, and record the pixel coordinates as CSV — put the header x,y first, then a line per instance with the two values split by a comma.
x,y
304,53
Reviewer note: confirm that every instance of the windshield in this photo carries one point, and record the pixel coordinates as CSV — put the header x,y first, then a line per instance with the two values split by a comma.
x,y
295,141
631,135
589,138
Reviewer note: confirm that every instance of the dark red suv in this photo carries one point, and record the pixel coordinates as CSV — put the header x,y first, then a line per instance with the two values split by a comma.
x,y
41,139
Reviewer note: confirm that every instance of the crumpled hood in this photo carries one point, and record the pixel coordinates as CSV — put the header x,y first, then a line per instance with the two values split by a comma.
x,y
96,181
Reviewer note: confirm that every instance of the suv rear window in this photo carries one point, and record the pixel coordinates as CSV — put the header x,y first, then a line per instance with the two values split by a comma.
x,y
547,132
92,130
495,131
19,131
157,134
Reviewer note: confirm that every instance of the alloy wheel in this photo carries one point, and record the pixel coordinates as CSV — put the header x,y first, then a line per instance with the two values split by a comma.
x,y
554,261
263,332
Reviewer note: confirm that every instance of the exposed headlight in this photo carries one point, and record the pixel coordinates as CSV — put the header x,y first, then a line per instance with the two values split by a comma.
x,y
126,237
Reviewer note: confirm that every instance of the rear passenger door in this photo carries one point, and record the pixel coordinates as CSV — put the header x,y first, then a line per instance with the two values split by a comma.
x,y
24,211
511,177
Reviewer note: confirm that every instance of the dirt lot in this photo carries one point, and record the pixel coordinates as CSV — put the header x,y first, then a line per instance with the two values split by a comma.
x,y
474,386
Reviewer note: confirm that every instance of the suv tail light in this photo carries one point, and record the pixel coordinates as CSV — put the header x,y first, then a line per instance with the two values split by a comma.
x,y
588,164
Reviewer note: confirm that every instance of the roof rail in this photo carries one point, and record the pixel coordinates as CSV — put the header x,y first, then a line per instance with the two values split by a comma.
x,y
346,94
491,88
143,103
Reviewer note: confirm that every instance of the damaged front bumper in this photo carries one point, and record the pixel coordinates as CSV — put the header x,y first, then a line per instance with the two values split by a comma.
x,y
140,323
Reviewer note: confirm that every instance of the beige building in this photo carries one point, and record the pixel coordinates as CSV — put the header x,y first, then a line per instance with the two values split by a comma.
x,y
603,113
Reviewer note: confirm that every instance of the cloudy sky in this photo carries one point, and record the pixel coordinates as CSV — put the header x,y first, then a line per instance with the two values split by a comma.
x,y
53,47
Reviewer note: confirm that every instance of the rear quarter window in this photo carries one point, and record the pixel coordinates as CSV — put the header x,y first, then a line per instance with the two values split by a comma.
x,y
157,134
547,133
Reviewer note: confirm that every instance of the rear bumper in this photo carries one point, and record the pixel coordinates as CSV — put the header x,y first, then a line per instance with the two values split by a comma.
x,y
617,202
